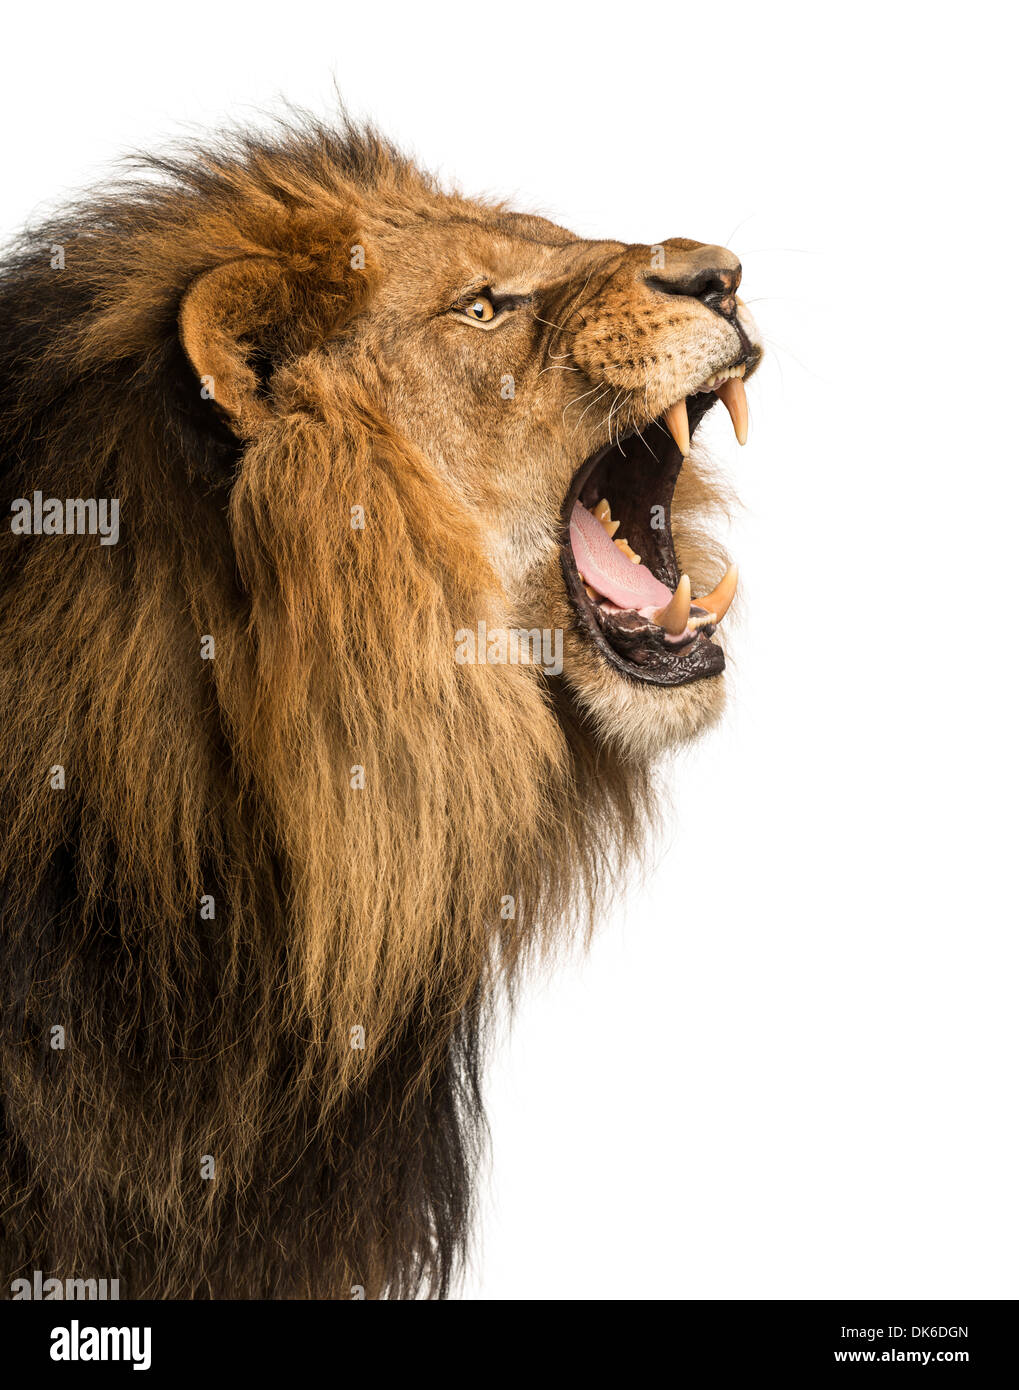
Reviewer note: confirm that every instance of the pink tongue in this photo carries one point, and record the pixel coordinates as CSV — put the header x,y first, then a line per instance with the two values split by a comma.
x,y
604,566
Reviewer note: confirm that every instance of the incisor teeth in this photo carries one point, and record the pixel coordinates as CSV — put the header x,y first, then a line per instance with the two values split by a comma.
x,y
733,396
717,378
679,426
676,613
718,601
624,546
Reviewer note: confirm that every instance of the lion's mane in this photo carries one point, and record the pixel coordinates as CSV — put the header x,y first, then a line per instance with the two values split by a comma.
x,y
338,905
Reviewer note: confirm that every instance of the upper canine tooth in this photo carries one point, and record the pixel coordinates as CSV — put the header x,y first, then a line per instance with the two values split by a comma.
x,y
679,426
717,602
676,613
733,396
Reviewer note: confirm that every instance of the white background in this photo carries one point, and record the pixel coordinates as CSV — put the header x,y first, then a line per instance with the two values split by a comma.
x,y
787,1066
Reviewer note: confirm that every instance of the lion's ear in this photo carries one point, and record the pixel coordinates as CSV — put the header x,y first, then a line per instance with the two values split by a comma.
x,y
240,320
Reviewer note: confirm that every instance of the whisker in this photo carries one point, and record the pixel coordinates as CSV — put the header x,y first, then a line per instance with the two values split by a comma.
x,y
611,409
777,351
578,297
555,368
558,327
608,417
647,446
587,407
783,251
561,328
577,399
627,401
737,228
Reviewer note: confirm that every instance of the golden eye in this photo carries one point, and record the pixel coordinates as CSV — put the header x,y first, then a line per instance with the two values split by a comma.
x,y
481,309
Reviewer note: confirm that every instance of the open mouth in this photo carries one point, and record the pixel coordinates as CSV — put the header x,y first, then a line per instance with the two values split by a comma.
x,y
618,560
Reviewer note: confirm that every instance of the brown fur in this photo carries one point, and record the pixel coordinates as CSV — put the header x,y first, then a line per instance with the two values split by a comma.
x,y
336,906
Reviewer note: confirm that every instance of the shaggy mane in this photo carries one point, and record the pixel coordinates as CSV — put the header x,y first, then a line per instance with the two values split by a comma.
x,y
337,906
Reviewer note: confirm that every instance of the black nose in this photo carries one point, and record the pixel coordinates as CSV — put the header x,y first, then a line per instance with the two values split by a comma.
x,y
713,286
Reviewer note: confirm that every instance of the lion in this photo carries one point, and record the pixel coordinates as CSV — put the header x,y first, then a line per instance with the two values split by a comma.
x,y
284,808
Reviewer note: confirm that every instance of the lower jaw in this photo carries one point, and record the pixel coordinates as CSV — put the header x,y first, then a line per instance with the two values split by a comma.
x,y
698,660
695,661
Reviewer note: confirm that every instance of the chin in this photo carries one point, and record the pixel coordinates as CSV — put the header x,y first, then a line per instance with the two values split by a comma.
x,y
640,722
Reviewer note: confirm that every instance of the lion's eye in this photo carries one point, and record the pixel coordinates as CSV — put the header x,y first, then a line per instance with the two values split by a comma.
x,y
488,308
481,309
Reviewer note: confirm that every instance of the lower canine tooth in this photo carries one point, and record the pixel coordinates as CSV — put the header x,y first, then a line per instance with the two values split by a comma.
x,y
717,602
734,397
679,426
676,613
603,514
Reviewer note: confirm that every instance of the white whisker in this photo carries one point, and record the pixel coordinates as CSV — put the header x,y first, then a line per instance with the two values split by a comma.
x,y
587,407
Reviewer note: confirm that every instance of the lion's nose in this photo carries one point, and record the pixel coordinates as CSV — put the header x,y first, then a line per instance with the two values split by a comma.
x,y
711,274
